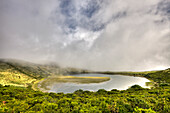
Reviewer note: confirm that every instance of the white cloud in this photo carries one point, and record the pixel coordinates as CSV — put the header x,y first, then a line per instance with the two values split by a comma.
x,y
98,34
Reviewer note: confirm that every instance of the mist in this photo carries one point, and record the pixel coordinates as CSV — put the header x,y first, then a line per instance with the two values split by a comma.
x,y
102,35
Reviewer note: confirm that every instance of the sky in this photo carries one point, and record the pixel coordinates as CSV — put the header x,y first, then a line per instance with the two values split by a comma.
x,y
102,35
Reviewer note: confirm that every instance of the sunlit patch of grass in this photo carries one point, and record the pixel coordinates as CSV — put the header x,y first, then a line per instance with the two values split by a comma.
x,y
14,78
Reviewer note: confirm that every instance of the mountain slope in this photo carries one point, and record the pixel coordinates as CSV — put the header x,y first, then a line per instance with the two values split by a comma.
x,y
9,75
17,72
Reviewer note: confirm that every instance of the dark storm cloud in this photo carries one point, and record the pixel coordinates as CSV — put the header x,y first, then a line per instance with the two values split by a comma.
x,y
93,34
164,6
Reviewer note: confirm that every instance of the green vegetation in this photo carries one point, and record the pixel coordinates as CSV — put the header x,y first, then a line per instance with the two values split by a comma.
x,y
134,99
24,99
11,76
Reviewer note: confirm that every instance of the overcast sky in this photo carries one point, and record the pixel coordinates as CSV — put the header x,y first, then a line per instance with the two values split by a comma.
x,y
94,34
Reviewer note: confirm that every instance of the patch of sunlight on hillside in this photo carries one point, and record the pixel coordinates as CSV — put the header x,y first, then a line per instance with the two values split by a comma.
x,y
10,77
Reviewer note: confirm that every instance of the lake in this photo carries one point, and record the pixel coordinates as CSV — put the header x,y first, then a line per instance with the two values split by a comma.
x,y
119,82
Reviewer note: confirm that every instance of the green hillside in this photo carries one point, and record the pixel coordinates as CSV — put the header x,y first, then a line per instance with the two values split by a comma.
x,y
21,73
30,69
10,75
160,76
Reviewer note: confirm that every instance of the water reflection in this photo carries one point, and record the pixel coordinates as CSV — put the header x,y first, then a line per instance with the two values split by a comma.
x,y
119,82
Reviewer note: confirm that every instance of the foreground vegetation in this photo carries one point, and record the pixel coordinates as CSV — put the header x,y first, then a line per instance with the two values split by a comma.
x,y
24,99
135,99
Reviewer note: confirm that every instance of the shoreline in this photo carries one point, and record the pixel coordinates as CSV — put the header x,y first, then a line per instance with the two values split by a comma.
x,y
45,85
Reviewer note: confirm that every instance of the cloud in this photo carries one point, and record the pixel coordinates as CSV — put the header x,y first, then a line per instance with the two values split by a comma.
x,y
92,34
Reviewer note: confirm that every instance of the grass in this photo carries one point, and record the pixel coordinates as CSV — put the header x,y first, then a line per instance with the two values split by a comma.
x,y
14,78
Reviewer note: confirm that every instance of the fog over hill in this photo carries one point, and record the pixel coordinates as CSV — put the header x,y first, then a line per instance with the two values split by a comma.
x,y
99,35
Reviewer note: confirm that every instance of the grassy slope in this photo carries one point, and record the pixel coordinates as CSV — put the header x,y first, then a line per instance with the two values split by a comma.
x,y
30,69
21,73
11,76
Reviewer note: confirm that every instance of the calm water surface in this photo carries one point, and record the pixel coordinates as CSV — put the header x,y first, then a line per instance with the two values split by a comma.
x,y
119,82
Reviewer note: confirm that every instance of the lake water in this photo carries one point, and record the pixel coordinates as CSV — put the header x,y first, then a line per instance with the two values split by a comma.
x,y
119,82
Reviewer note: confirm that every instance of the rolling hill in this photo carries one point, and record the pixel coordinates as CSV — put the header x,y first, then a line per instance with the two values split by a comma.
x,y
21,73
